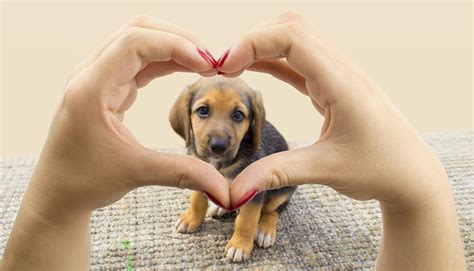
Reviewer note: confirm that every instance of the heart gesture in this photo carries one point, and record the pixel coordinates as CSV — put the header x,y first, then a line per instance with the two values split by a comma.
x,y
366,149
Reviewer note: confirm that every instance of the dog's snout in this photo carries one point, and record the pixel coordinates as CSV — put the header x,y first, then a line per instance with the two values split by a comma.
x,y
218,145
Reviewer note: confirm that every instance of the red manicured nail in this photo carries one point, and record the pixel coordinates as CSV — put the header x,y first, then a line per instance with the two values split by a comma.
x,y
245,198
207,58
213,199
219,72
223,58
213,60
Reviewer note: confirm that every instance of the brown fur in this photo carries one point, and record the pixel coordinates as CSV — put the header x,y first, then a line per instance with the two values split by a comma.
x,y
249,140
179,116
245,229
223,102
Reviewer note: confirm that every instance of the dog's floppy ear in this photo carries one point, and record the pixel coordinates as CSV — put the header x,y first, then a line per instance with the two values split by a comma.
x,y
180,115
258,118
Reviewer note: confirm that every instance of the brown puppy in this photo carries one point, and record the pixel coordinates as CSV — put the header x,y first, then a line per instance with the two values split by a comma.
x,y
223,123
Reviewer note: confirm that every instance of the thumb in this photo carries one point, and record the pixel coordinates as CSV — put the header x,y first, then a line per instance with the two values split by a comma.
x,y
183,171
299,166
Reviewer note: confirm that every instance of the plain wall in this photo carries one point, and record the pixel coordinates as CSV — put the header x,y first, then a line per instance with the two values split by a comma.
x,y
420,54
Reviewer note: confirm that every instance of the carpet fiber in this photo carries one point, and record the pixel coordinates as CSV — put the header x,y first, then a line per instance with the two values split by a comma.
x,y
319,230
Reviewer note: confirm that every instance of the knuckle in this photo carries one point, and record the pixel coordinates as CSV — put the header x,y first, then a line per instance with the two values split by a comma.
x,y
251,38
278,178
182,181
140,20
130,34
292,16
78,94
294,32
72,93
293,27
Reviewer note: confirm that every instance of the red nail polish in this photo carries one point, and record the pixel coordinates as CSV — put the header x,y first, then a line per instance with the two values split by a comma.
x,y
213,199
207,58
245,198
213,60
223,58
219,72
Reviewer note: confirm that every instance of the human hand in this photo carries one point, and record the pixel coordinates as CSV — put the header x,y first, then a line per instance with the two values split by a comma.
x,y
366,148
91,159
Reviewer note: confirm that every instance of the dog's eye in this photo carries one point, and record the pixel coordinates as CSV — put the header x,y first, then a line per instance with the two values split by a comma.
x,y
238,116
203,111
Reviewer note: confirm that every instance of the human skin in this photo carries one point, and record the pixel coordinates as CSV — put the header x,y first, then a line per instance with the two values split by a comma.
x,y
90,159
366,150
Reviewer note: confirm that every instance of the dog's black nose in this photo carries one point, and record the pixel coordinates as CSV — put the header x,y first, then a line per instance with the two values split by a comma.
x,y
218,145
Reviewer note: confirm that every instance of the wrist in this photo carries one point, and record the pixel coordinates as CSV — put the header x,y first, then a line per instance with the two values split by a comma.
x,y
420,186
423,235
44,200
420,195
47,242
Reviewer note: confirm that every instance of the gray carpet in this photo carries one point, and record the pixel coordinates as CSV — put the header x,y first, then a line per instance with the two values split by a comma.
x,y
320,230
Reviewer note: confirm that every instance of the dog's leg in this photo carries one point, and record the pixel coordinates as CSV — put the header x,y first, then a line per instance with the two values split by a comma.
x,y
266,231
241,244
194,215
215,211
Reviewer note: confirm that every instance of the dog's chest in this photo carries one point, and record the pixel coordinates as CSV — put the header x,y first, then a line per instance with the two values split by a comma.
x,y
215,164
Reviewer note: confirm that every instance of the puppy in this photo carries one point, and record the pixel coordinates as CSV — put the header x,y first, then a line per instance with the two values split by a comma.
x,y
223,123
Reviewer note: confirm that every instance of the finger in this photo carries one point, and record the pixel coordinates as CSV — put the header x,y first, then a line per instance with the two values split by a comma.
x,y
312,164
303,51
280,69
283,37
99,50
143,21
138,47
232,75
153,23
183,171
286,17
157,69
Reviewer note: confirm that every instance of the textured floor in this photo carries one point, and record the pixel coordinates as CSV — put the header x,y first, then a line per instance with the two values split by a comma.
x,y
320,230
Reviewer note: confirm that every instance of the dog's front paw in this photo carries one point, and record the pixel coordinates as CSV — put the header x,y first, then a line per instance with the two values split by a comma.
x,y
188,222
215,211
266,235
239,249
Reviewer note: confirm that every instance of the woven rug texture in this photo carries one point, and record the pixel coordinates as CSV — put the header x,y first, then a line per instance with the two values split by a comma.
x,y
320,229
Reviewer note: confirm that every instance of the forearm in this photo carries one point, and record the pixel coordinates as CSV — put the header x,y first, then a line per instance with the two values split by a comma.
x,y
427,238
40,243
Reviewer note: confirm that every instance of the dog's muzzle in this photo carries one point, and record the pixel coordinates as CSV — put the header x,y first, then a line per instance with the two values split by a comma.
x,y
218,145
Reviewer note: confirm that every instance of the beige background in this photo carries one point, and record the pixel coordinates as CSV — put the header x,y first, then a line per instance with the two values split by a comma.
x,y
419,53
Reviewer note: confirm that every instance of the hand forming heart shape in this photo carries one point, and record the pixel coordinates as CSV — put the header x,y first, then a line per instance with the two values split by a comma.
x,y
366,149
102,88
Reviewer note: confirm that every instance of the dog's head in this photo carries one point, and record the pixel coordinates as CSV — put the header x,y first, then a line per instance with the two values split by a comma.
x,y
215,114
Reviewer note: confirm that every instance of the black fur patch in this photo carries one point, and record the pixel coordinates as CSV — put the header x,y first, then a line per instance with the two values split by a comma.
x,y
271,142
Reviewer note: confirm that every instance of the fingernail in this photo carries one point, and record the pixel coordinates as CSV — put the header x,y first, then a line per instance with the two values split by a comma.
x,y
219,72
245,198
223,58
213,60
213,199
207,58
